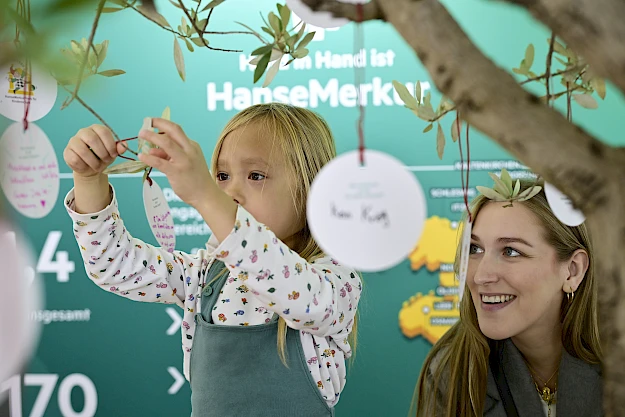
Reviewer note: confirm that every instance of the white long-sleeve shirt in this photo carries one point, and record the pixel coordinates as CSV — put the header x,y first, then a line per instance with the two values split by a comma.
x,y
319,299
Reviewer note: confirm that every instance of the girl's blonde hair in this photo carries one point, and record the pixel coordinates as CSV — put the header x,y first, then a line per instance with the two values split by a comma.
x,y
460,357
306,143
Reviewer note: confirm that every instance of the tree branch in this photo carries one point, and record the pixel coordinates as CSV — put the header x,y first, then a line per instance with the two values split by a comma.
x,y
371,10
86,106
200,32
492,101
593,28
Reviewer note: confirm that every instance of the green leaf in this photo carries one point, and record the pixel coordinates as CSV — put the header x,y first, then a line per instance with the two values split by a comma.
x,y
440,142
156,16
268,31
455,129
529,56
599,86
111,73
199,42
521,70
166,113
405,95
273,70
127,167
285,15
428,128
175,3
300,53
261,66
271,290
212,4
189,46
417,91
529,193
490,193
262,50
426,113
558,47
102,52
500,186
274,21
507,180
517,187
112,9
179,59
586,100
309,37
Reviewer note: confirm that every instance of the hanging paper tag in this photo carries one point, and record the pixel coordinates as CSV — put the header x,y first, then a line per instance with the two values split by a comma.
x,y
368,217
464,256
16,87
29,170
324,20
159,215
20,300
562,207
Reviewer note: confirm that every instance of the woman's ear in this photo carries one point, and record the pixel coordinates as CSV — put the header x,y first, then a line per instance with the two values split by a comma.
x,y
577,268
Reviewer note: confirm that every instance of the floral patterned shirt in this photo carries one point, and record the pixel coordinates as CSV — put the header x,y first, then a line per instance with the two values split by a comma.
x,y
319,299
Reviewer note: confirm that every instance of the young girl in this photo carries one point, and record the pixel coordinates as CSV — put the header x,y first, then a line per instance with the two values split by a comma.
x,y
266,314
527,342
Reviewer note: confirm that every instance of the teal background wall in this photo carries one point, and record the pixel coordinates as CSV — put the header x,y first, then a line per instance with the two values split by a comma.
x,y
124,347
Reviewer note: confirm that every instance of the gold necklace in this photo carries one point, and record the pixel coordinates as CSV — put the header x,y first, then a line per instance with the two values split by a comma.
x,y
546,394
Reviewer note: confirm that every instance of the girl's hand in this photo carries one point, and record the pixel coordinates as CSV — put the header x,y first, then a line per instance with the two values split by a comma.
x,y
91,150
181,160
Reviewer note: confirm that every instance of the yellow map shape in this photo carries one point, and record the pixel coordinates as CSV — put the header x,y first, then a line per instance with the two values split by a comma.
x,y
431,315
437,245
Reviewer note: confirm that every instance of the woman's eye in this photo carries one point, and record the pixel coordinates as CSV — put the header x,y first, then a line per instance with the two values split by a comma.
x,y
512,253
255,176
222,176
473,249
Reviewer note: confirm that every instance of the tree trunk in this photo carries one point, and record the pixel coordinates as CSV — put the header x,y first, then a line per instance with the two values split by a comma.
x,y
587,170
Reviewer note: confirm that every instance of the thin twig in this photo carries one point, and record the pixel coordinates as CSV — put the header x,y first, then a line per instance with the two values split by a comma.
x,y
89,45
200,33
442,114
549,58
555,74
86,106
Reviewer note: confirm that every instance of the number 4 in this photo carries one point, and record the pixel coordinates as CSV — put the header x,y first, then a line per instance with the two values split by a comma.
x,y
62,266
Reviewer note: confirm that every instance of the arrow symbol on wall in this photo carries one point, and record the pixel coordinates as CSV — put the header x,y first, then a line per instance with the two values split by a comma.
x,y
178,380
177,321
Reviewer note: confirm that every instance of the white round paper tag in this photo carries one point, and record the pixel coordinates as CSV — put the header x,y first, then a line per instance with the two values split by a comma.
x,y
464,256
16,87
368,217
159,215
562,207
324,20
20,299
29,171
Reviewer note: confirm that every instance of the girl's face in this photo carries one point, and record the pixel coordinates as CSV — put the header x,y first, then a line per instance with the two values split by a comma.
x,y
515,279
252,170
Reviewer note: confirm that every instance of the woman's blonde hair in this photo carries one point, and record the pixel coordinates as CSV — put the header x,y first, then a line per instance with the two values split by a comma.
x,y
306,143
460,358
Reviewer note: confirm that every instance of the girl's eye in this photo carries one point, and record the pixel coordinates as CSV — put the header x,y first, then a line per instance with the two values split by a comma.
x,y
222,176
473,249
512,253
255,176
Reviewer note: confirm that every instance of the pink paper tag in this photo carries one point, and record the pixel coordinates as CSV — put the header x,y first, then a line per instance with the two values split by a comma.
x,y
159,215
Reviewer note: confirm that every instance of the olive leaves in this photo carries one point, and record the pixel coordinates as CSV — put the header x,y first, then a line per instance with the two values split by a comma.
x,y
505,190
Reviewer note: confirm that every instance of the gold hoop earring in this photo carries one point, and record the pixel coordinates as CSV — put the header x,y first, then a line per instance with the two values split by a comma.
x,y
570,295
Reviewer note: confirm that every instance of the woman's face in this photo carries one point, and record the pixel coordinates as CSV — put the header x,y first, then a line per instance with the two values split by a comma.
x,y
514,276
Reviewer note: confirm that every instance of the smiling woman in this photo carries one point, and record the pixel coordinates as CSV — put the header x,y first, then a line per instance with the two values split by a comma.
x,y
527,335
